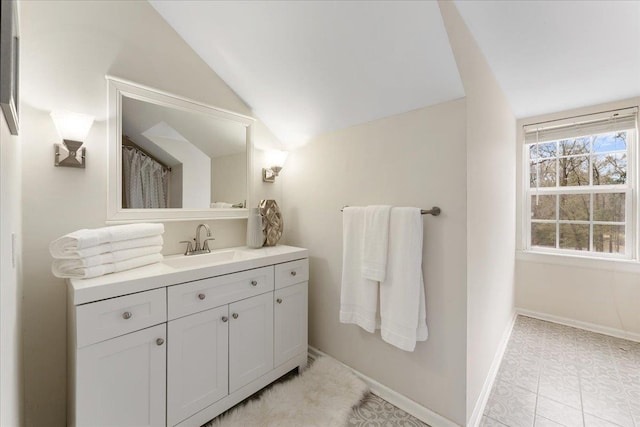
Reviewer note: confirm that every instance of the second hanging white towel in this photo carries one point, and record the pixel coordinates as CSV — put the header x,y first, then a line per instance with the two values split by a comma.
x,y
402,299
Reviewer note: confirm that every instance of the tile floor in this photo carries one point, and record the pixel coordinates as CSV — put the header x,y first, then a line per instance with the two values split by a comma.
x,y
554,375
375,411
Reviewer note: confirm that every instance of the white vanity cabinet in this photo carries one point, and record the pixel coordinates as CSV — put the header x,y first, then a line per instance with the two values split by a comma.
x,y
188,344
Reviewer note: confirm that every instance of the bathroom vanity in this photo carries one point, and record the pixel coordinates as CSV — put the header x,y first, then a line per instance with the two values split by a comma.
x,y
179,342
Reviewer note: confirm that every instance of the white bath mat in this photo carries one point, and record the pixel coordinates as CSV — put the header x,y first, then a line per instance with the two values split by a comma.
x,y
322,396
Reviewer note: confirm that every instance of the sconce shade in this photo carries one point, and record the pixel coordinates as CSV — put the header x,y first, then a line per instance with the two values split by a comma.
x,y
275,159
72,126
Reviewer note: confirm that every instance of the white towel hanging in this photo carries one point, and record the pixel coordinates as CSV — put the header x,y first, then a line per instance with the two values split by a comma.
x,y
376,242
402,297
358,295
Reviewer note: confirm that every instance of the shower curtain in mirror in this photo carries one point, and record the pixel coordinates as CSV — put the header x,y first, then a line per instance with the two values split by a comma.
x,y
145,182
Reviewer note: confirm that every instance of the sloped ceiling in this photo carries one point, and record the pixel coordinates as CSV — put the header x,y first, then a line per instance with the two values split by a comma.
x,y
551,56
309,67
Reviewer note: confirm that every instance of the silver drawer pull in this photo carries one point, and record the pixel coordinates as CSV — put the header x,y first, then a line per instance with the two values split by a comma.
x,y
293,273
126,315
254,283
202,296
224,319
159,341
235,315
279,300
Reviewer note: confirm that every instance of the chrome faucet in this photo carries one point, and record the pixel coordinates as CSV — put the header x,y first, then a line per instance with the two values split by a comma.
x,y
205,244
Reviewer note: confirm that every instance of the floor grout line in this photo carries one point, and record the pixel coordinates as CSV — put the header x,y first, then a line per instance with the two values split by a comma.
x,y
615,365
535,408
578,366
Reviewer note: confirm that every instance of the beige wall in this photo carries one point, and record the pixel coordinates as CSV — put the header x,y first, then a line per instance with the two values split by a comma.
x,y
67,48
11,396
601,293
412,159
490,207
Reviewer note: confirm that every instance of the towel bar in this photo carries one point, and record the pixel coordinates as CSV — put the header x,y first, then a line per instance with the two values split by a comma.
x,y
435,211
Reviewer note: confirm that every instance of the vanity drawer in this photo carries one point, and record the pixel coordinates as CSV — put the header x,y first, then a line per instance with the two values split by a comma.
x,y
290,273
192,297
98,321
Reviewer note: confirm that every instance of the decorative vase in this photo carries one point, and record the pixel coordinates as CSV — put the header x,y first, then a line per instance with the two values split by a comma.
x,y
272,220
255,229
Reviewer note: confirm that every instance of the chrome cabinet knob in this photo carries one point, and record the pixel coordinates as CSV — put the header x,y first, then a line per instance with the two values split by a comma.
x,y
126,315
159,341
279,300
293,273
254,283
202,296
224,319
235,315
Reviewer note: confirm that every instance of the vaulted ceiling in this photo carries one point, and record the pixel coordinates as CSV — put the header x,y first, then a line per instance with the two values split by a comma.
x,y
551,56
307,67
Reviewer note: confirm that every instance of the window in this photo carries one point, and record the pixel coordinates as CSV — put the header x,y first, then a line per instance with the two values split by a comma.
x,y
580,191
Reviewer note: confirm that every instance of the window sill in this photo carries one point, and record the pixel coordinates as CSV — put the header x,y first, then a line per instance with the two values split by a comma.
x,y
622,265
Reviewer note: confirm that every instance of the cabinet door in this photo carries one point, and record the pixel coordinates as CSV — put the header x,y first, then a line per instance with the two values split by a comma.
x,y
197,362
250,339
122,381
290,322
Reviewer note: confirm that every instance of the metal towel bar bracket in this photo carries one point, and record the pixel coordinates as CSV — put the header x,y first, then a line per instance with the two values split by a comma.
x,y
435,211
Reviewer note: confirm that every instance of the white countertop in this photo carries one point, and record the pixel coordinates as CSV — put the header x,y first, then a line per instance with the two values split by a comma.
x,y
158,275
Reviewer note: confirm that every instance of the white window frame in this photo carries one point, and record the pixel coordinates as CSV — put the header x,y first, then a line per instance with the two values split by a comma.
x,y
629,188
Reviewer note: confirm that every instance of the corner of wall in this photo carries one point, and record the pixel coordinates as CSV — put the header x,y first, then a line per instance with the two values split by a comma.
x,y
490,208
11,358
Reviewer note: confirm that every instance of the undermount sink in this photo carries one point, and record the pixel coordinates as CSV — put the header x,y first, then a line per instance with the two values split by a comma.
x,y
213,258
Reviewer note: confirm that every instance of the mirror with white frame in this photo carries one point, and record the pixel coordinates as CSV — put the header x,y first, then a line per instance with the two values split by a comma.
x,y
172,158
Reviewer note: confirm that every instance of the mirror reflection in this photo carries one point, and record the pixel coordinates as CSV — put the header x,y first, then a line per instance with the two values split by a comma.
x,y
173,158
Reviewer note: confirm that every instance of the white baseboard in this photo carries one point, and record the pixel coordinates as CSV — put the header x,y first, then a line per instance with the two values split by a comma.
x,y
606,330
478,410
409,406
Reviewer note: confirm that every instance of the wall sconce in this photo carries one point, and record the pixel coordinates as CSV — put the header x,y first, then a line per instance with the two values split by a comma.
x,y
73,128
276,159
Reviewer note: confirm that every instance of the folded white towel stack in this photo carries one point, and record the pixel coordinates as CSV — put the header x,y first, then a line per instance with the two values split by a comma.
x,y
104,248
85,238
102,269
224,205
85,253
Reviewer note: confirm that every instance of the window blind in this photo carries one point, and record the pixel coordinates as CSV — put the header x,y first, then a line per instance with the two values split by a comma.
x,y
612,121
